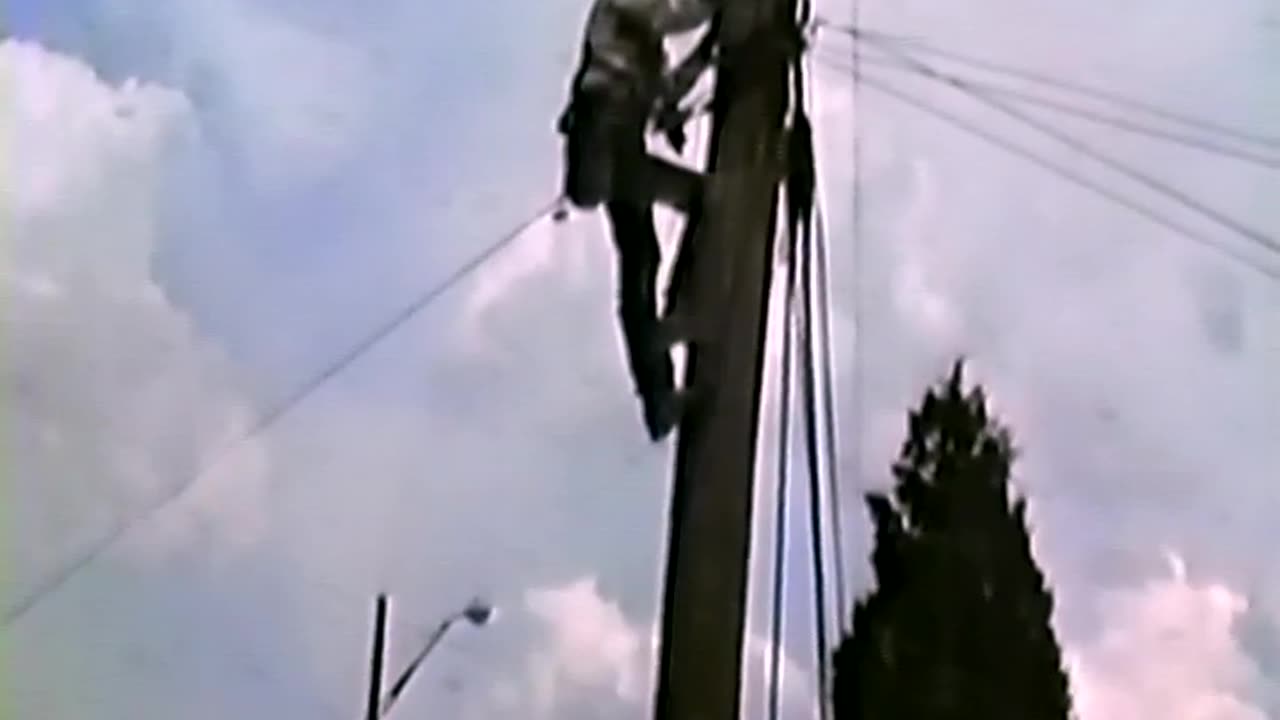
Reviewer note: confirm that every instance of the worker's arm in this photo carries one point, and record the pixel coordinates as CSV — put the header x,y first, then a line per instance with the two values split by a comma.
x,y
678,16
680,79
669,118
666,17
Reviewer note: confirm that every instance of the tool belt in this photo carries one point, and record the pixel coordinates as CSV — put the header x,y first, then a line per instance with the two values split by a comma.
x,y
604,138
604,121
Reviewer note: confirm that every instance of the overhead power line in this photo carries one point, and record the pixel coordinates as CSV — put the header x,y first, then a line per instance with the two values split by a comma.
x,y
1083,148
271,417
1270,162
1070,175
1257,139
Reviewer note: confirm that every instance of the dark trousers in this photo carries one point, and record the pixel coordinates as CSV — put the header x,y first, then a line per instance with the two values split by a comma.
x,y
639,255
607,162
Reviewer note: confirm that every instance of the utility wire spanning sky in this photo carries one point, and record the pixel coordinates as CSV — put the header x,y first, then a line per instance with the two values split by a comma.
x,y
210,200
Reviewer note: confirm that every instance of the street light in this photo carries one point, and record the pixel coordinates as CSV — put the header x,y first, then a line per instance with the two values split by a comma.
x,y
477,612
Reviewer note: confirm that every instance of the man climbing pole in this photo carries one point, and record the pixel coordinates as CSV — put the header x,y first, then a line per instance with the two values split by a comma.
x,y
621,86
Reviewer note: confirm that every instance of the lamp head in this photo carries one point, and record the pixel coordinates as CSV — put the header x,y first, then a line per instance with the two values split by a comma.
x,y
478,612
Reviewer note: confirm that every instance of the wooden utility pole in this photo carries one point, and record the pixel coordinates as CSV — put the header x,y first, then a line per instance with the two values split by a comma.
x,y
730,263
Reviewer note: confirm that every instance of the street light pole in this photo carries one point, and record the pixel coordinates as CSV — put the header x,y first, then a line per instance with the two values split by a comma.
x,y
476,613
398,686
375,663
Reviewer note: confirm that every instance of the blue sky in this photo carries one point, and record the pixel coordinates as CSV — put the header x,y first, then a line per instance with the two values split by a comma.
x,y
209,200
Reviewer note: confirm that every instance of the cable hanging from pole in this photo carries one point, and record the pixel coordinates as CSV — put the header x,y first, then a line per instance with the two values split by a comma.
x,y
785,409
797,191
816,520
824,351
801,189
820,258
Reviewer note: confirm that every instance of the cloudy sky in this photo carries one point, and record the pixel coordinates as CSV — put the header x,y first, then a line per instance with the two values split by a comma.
x,y
209,200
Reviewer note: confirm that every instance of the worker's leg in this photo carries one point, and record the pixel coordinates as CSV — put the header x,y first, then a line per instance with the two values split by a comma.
x,y
638,181
676,324
652,179
637,248
651,368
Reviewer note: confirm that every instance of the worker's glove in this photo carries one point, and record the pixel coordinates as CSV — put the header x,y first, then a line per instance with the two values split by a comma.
x,y
676,138
670,122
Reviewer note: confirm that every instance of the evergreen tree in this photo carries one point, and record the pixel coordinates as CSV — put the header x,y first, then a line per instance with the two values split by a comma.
x,y
958,626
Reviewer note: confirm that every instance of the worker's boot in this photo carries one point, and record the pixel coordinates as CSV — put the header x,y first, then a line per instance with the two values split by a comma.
x,y
663,412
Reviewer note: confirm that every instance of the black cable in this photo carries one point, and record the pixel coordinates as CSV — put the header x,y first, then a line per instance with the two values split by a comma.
x,y
846,609
1114,121
1118,99
1085,149
827,380
1074,177
269,418
803,179
780,500
815,483
799,193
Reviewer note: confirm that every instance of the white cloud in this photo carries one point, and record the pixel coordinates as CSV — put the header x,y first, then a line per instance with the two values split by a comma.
x,y
590,645
297,102
562,250
918,293
225,510
1167,649
113,394
798,691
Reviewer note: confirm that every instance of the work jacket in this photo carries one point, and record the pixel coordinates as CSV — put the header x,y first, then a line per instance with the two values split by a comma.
x,y
622,47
